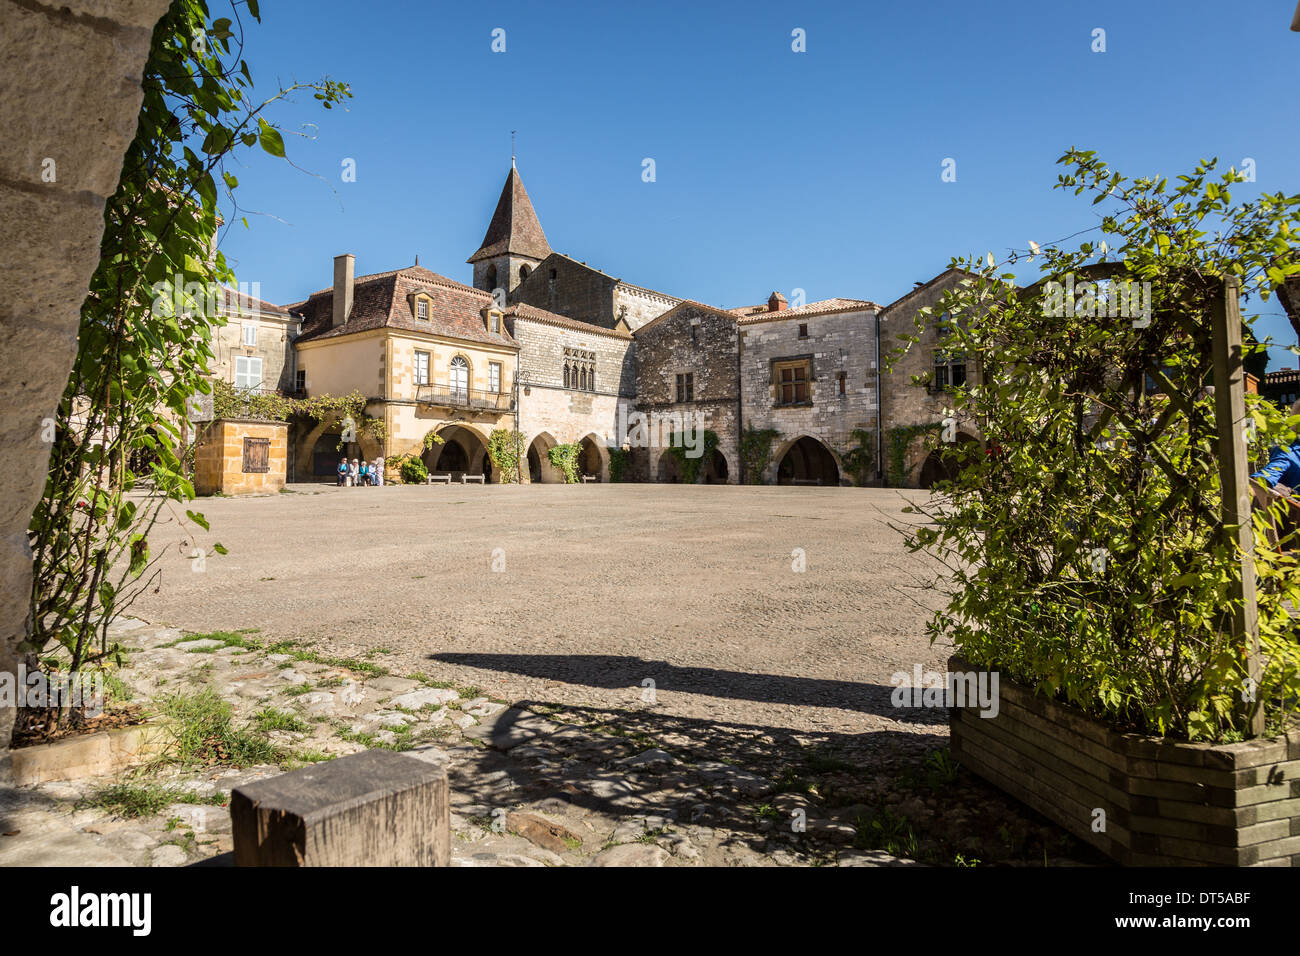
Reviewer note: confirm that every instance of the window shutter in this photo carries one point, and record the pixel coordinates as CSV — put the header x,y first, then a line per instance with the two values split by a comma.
x,y
257,455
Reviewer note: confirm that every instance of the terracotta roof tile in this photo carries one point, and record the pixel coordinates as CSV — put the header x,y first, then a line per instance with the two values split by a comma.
x,y
382,301
821,307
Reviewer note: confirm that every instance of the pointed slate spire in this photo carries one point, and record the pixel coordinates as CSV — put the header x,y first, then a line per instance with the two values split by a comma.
x,y
514,229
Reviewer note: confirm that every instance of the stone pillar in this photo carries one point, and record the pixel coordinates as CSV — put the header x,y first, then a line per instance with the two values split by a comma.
x,y
72,97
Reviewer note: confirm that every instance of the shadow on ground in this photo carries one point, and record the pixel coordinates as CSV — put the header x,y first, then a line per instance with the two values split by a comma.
x,y
797,798
615,671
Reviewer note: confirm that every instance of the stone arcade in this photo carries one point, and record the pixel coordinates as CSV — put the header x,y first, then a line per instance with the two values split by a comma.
x,y
568,354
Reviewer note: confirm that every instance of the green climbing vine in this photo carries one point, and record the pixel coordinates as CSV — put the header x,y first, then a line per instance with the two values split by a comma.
x,y
861,458
755,453
231,402
900,440
565,458
689,466
619,460
505,448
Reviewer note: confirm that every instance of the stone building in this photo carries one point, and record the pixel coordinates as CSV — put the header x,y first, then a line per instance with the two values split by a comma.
x,y
572,378
254,349
567,354
687,373
433,357
917,385
809,374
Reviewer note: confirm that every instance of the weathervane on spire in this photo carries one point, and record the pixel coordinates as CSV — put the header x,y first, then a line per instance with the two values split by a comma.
x,y
512,149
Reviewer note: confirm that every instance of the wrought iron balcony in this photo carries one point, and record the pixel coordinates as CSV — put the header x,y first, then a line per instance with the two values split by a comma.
x,y
454,396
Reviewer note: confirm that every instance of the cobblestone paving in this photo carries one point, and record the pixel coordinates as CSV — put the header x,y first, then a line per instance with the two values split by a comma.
x,y
532,784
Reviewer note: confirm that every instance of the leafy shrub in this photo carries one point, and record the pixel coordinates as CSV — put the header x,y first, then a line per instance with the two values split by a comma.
x,y
412,470
1083,537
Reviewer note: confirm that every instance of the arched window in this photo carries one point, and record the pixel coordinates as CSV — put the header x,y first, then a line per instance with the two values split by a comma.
x,y
490,277
566,374
458,379
591,379
523,273
582,378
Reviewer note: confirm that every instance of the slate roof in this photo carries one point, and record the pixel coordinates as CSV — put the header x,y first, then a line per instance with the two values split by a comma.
x,y
381,301
514,227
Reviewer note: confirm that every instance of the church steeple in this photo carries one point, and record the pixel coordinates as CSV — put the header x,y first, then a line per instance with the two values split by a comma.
x,y
514,229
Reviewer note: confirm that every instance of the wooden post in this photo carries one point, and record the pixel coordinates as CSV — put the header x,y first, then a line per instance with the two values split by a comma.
x,y
1234,475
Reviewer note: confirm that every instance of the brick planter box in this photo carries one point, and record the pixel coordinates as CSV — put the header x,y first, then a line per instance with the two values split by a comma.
x,y
1166,803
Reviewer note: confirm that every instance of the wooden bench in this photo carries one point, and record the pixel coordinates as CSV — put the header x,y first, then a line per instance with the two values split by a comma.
x,y
438,479
806,481
466,479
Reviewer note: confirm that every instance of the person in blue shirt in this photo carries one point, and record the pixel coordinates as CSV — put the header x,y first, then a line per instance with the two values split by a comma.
x,y
1280,479
343,472
1283,466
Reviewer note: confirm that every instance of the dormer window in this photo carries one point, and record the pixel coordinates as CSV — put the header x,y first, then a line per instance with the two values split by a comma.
x,y
422,309
494,321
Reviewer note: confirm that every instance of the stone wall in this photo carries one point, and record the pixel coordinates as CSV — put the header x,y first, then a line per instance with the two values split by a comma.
x,y
541,355
219,457
906,404
838,343
637,306
71,100
571,288
274,347
668,347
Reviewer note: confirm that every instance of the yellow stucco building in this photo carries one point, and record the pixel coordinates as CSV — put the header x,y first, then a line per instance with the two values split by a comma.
x,y
431,355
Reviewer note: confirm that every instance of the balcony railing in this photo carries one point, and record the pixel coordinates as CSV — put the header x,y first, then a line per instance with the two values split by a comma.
x,y
452,396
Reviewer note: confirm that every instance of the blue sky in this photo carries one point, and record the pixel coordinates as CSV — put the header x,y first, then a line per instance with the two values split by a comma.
x,y
774,170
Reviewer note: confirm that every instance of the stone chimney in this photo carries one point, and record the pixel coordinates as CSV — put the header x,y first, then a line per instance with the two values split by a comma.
x,y
776,302
344,270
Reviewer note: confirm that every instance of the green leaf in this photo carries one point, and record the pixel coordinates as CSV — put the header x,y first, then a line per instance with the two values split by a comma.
x,y
270,138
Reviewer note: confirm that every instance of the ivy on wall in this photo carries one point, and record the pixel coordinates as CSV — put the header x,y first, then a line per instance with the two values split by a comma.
x,y
861,458
755,453
900,440
619,461
505,448
565,458
231,402
689,467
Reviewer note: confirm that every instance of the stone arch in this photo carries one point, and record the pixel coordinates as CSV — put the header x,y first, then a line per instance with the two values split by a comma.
x,y
667,469
939,465
806,459
306,442
540,469
462,451
716,471
594,459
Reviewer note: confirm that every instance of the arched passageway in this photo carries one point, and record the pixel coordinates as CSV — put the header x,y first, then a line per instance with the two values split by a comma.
x,y
592,459
325,456
668,472
807,462
944,463
715,469
462,452
540,469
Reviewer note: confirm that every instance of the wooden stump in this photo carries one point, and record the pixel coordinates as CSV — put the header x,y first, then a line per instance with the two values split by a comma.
x,y
376,808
